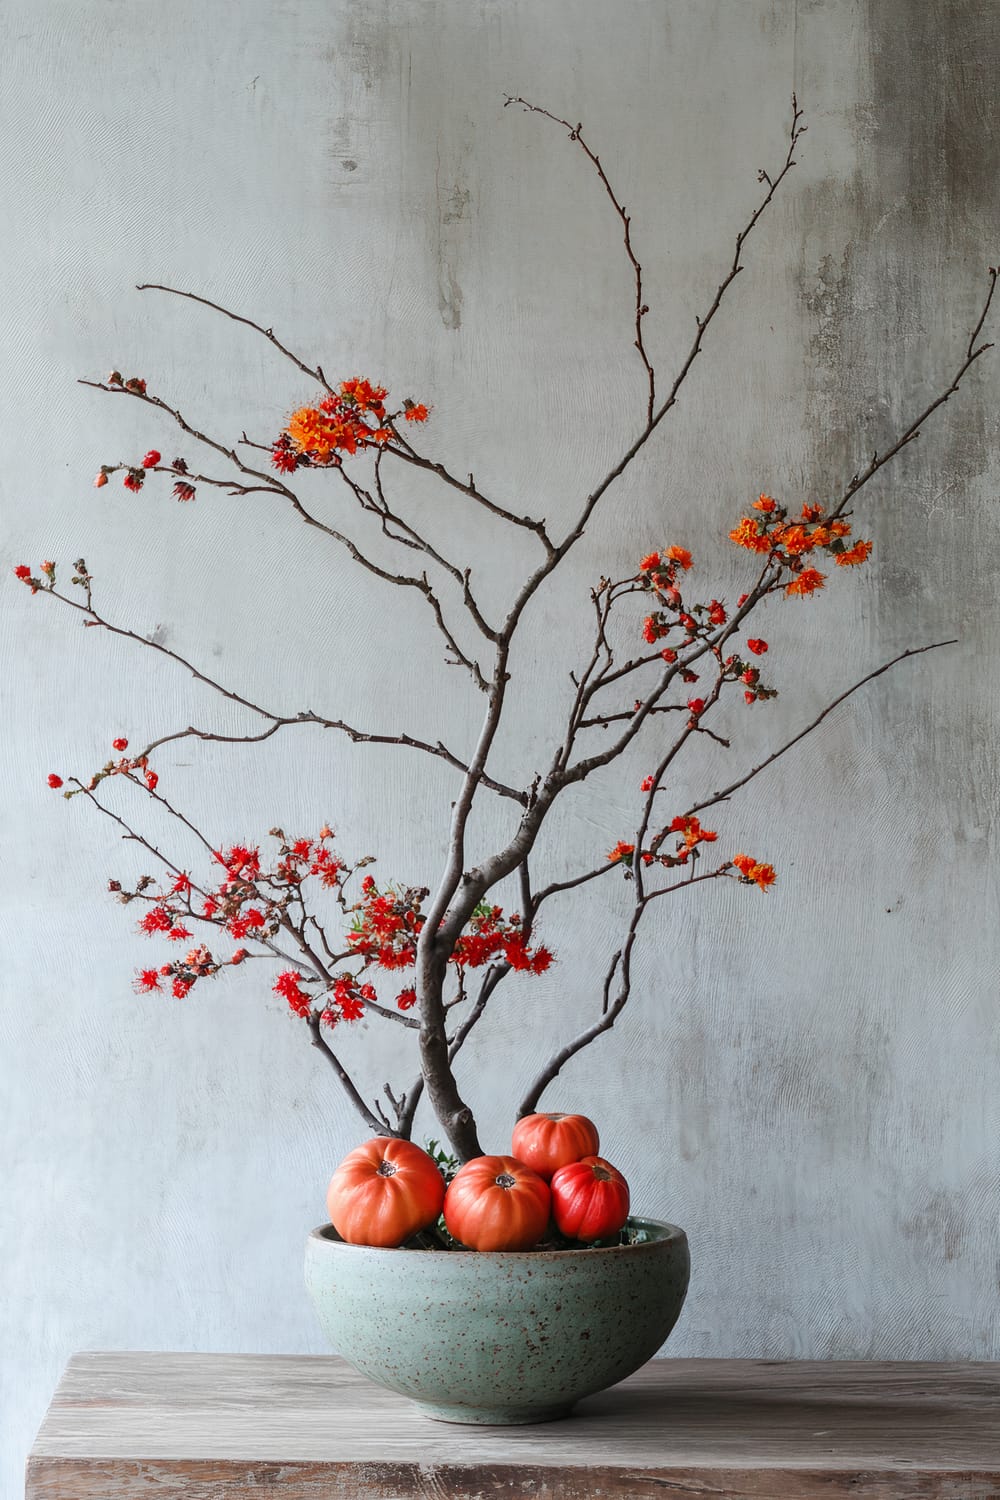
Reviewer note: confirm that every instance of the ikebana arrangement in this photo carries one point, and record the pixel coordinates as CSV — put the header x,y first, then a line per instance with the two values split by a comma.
x,y
669,664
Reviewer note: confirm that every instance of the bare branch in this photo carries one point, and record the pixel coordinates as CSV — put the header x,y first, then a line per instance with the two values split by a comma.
x,y
376,1122
972,353
314,374
641,309
728,791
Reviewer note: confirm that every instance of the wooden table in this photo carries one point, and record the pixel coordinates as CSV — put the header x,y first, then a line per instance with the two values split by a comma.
x,y
221,1426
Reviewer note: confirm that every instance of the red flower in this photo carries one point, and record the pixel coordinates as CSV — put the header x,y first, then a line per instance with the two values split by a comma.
x,y
757,647
180,885
284,459
696,705
54,780
415,413
742,600
151,780
541,960
157,919
679,555
717,612
181,988
119,744
151,459
668,655
750,697
649,563
647,784
239,956
406,999
133,480
22,571
146,980
101,480
368,884
183,491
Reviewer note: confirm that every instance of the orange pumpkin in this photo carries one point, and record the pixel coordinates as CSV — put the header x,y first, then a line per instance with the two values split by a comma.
x,y
549,1141
384,1192
497,1203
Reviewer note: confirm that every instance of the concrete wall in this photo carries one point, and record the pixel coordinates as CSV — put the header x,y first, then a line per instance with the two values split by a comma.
x,y
806,1080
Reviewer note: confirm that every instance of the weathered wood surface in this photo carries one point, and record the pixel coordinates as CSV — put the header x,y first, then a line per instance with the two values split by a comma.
x,y
218,1427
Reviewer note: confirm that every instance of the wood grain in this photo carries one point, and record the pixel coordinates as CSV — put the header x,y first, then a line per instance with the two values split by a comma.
x,y
218,1427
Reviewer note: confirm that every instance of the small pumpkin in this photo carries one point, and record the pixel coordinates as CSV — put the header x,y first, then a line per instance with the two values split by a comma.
x,y
384,1192
497,1203
546,1142
590,1199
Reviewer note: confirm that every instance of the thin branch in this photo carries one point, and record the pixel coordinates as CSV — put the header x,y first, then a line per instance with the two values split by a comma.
x,y
641,309
277,721
378,1123
972,353
728,791
314,374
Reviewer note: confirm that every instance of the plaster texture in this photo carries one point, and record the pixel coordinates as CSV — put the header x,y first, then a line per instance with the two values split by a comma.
x,y
806,1080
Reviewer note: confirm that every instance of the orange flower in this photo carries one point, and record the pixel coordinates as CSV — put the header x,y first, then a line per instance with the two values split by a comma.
x,y
857,554
811,512
692,830
840,528
310,432
794,539
747,535
807,582
415,413
650,563
621,851
765,503
679,555
756,874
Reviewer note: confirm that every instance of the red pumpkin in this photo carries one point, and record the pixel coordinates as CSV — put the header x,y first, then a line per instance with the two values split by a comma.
x,y
384,1192
590,1199
550,1141
497,1203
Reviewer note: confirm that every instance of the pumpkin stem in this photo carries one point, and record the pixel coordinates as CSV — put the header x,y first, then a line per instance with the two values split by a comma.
x,y
505,1180
385,1169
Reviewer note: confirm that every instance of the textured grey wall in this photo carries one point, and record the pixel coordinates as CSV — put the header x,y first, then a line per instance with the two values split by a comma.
x,y
808,1080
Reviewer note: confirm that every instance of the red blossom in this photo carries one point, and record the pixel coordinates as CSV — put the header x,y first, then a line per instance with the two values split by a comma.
x,y
647,784
146,980
668,655
415,412
134,480
183,490
406,999
181,988
54,780
151,459
22,571
101,480
757,647
696,705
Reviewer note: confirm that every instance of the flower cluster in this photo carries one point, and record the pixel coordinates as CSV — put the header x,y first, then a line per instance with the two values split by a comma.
x,y
251,902
753,873
345,420
490,935
789,542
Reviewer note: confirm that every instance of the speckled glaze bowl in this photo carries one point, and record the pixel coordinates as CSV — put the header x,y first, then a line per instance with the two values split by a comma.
x,y
498,1338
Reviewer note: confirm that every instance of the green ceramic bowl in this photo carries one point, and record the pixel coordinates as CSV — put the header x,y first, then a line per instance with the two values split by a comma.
x,y
498,1338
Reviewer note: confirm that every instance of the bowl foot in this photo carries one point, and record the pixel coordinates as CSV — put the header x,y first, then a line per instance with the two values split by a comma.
x,y
493,1416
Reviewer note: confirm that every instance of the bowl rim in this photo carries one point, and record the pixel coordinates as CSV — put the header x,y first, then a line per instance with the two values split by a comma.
x,y
674,1236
